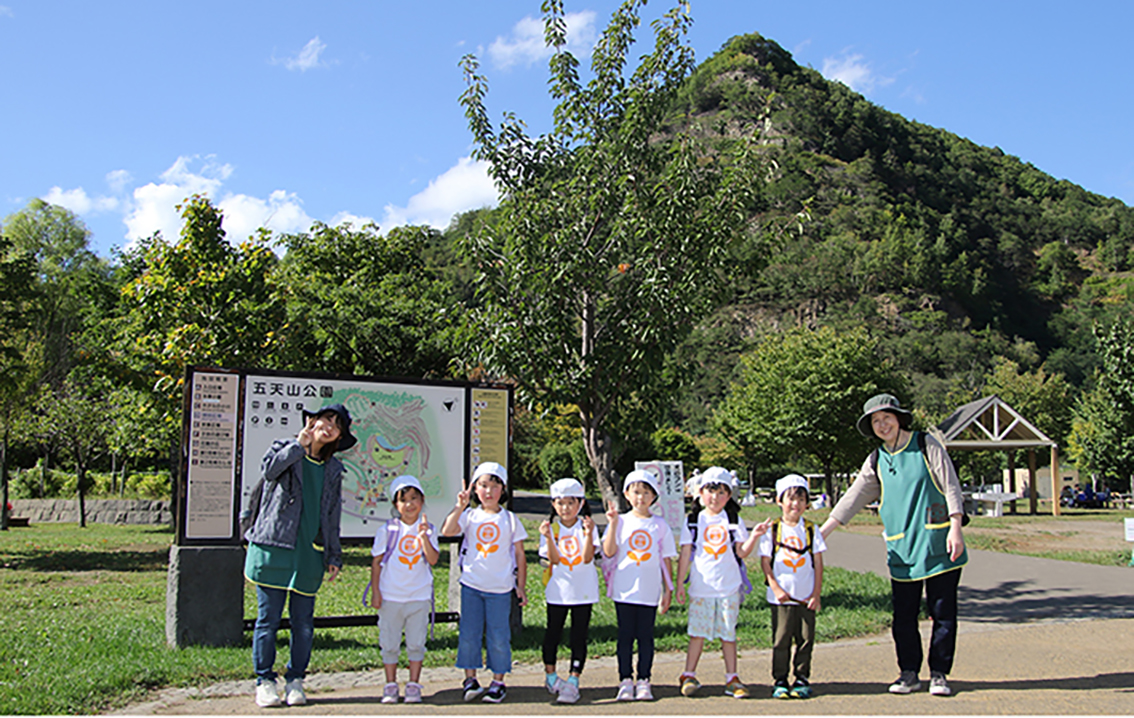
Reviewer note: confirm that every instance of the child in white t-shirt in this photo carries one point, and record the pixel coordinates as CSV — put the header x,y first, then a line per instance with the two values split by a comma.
x,y
401,582
642,546
712,541
791,554
567,542
492,566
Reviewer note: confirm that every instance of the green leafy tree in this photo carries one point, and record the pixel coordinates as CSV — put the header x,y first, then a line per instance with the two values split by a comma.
x,y
799,397
1102,435
1044,399
676,445
16,294
361,302
606,247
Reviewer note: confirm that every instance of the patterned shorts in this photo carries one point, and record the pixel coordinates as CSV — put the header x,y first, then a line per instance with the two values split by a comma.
x,y
714,617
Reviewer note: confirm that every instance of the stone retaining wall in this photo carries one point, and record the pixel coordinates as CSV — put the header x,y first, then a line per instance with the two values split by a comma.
x,y
99,511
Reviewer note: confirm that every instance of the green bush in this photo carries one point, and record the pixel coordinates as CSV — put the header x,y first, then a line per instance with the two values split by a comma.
x,y
555,462
26,484
149,486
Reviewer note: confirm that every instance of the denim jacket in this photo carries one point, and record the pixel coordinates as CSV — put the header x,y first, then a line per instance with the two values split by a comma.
x,y
281,501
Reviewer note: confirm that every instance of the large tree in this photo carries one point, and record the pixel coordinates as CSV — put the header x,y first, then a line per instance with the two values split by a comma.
x,y
1102,435
16,287
799,397
612,229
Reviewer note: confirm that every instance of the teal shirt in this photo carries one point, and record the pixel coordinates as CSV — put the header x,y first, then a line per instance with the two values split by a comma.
x,y
915,516
299,569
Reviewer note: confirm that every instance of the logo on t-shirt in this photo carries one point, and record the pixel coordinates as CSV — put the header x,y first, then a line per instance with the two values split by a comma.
x,y
569,553
800,556
486,537
410,551
716,540
640,543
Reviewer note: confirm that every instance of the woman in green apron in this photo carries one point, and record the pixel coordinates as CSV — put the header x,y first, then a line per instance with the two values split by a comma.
x,y
921,507
293,541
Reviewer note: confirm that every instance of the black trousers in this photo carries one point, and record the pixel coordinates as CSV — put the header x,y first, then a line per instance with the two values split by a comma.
x,y
580,625
635,621
941,599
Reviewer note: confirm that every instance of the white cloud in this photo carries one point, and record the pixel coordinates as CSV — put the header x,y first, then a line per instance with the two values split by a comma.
x,y
154,206
78,201
6,11
352,219
118,179
526,43
853,72
463,187
307,58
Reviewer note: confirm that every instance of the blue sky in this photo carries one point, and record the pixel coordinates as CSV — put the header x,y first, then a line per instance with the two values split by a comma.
x,y
290,112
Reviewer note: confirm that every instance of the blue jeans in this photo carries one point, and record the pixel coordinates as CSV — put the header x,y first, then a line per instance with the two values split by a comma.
x,y
302,616
476,608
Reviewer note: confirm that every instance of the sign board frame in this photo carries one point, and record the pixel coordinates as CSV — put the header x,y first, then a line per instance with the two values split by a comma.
x,y
436,430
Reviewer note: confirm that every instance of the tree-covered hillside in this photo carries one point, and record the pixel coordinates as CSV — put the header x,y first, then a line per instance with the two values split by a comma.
x,y
951,253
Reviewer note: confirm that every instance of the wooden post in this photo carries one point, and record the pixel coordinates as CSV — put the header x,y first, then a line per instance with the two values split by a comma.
x,y
1033,499
1012,477
1056,482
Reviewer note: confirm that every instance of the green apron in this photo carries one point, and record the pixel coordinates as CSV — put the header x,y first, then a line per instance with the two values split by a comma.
x,y
299,569
915,516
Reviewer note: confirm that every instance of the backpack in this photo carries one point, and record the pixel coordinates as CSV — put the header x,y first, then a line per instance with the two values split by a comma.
x,y
733,518
248,519
546,577
777,534
921,446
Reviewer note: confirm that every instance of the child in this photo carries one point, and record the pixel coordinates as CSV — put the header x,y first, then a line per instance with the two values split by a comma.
x,y
567,540
791,554
402,585
712,541
642,546
492,566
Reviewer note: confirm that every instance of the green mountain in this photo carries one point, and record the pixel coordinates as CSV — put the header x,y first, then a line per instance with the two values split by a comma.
x,y
952,253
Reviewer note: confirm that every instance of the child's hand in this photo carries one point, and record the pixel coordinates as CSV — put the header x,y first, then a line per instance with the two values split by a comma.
x,y
666,598
305,434
463,499
612,513
588,525
545,529
680,595
375,597
781,595
814,603
423,530
761,528
522,595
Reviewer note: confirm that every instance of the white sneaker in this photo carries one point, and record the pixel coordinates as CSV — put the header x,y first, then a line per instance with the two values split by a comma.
x,y
938,686
293,692
642,691
568,693
267,694
390,693
413,692
625,691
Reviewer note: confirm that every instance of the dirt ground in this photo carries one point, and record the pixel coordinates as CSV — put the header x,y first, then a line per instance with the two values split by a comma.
x,y
1037,535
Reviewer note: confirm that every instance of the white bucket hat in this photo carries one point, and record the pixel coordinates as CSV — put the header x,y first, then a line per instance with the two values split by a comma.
x,y
492,469
404,481
789,482
645,477
568,488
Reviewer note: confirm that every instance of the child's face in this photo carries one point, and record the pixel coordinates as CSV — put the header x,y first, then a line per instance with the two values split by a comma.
x,y
409,503
489,489
714,497
567,507
326,428
640,496
794,502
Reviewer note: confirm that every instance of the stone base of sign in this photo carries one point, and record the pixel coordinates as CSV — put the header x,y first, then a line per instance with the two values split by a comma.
x,y
204,597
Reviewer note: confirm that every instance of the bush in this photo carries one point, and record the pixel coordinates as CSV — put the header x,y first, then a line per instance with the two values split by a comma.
x,y
26,484
149,486
555,462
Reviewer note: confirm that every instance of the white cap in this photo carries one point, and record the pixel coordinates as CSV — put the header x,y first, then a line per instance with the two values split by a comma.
x,y
717,475
645,477
492,469
567,488
404,481
789,482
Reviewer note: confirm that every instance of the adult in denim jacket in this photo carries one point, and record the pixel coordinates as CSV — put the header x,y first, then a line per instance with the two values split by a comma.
x,y
294,539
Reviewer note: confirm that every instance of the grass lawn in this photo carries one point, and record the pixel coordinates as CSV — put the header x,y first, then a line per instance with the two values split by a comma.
x,y
83,620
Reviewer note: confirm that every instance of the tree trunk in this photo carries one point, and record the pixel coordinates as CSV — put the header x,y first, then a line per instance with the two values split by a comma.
x,y
4,481
82,480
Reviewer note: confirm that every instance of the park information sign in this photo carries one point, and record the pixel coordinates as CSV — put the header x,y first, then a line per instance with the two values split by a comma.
x,y
436,431
671,503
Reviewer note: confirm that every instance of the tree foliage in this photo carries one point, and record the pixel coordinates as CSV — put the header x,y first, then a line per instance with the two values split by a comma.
x,y
610,236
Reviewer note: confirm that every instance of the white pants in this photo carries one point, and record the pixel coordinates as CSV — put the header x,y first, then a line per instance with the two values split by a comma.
x,y
412,618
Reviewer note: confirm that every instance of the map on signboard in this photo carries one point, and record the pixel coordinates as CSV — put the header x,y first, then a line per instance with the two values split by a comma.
x,y
401,429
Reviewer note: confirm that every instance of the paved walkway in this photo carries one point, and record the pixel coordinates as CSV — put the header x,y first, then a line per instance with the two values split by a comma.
x,y
1037,637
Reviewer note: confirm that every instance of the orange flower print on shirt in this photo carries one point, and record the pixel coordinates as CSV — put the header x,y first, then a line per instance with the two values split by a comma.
x,y
409,551
795,558
640,544
716,540
487,536
569,553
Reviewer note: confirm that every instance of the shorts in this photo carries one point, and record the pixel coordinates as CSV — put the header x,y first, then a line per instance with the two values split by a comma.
x,y
396,618
711,618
